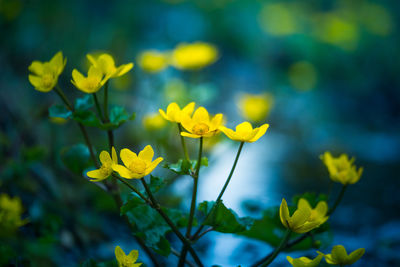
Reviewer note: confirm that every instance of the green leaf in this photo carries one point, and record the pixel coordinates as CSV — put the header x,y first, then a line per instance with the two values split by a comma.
x,y
182,167
204,162
59,111
76,158
87,118
224,220
84,103
156,183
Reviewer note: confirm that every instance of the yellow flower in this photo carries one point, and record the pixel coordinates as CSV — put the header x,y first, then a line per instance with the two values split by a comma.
x,y
153,61
245,132
339,256
305,218
10,214
342,169
255,108
105,62
126,260
174,112
194,56
106,166
45,74
90,84
200,124
304,261
153,121
137,166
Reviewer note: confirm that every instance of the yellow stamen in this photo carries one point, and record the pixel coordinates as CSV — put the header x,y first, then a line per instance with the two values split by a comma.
x,y
138,166
200,129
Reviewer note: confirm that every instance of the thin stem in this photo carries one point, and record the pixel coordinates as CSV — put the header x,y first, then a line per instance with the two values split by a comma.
x,y
278,249
339,198
106,101
154,204
203,233
193,203
176,253
63,97
196,235
183,142
96,101
134,190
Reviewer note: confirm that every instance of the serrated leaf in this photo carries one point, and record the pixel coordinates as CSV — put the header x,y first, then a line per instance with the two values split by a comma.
x,y
76,158
59,111
224,220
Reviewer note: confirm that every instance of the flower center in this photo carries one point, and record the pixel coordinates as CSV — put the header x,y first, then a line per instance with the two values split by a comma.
x,y
138,166
47,80
91,83
200,128
106,170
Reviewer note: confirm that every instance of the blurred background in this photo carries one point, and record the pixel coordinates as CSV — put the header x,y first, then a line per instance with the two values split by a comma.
x,y
323,73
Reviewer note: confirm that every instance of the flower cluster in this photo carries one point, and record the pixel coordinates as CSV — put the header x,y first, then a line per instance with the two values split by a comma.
x,y
342,169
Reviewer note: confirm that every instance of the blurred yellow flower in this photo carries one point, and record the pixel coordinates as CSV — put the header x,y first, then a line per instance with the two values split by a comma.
x,y
174,112
340,257
194,56
304,261
305,218
10,214
90,84
45,74
137,166
105,62
254,107
126,260
200,125
106,168
153,121
278,19
303,75
58,120
244,132
153,61
341,169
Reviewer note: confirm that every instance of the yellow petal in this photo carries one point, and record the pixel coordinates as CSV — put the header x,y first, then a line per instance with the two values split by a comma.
x,y
190,135
284,213
260,132
119,254
123,171
172,111
114,155
244,128
36,67
229,133
355,256
188,109
92,59
163,114
77,77
153,165
147,154
299,217
303,204
289,259
35,80
133,255
127,156
201,115
105,158
322,208
329,259
339,254
95,72
187,122
216,121
121,70
97,175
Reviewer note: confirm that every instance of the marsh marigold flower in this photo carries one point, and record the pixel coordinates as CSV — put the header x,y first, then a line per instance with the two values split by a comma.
x,y
200,125
105,62
45,74
106,169
341,169
194,56
126,260
304,261
174,113
244,132
137,166
10,214
153,61
340,257
305,218
90,84
255,108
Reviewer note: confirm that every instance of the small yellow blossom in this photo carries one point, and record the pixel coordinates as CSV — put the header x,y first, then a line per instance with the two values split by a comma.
x,y
340,257
194,56
305,218
174,112
137,166
10,214
153,61
342,169
106,168
200,125
255,108
90,84
45,74
153,121
106,63
244,132
126,260
304,261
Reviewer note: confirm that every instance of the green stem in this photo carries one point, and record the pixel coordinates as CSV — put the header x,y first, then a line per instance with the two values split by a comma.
x,y
183,142
96,101
133,189
157,207
60,92
278,249
106,102
196,235
339,198
193,204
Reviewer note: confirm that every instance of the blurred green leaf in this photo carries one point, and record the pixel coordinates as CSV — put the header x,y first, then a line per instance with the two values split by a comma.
x,y
224,220
204,162
76,158
84,103
34,153
182,167
156,183
59,111
87,118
